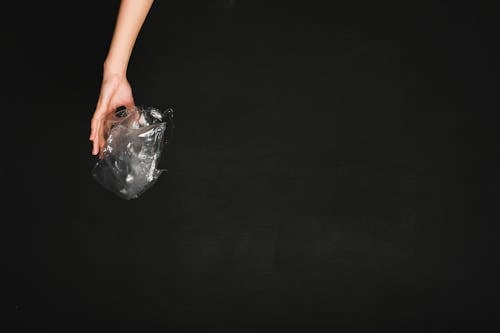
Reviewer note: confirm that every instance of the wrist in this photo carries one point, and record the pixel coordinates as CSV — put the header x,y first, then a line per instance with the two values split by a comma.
x,y
113,68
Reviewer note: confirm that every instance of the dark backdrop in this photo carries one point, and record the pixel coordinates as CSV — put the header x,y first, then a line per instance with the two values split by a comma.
x,y
291,197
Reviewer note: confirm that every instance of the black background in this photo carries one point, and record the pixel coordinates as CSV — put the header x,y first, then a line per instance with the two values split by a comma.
x,y
291,197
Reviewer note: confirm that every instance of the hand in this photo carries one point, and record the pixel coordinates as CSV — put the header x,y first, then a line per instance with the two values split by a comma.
x,y
115,92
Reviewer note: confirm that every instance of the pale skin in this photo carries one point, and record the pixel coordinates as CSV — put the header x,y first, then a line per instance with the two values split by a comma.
x,y
115,88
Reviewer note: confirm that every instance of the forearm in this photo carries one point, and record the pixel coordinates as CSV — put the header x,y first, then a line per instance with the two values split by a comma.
x,y
131,16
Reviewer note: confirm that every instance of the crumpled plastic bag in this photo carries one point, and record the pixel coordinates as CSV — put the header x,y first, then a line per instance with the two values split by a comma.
x,y
135,138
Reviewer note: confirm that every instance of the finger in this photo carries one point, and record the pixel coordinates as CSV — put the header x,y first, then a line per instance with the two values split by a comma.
x,y
92,130
95,148
97,117
93,125
101,143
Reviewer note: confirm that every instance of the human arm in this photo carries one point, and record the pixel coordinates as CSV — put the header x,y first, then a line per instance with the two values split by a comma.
x,y
115,88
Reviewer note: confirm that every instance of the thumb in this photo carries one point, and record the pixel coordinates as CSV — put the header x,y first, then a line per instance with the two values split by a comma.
x,y
96,118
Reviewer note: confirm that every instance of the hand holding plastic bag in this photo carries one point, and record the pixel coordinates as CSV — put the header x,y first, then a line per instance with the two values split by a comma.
x,y
135,138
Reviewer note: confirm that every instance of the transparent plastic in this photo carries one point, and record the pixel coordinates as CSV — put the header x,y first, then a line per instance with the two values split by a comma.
x,y
135,138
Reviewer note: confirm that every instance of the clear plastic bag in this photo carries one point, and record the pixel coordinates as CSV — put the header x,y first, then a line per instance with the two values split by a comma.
x,y
135,138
